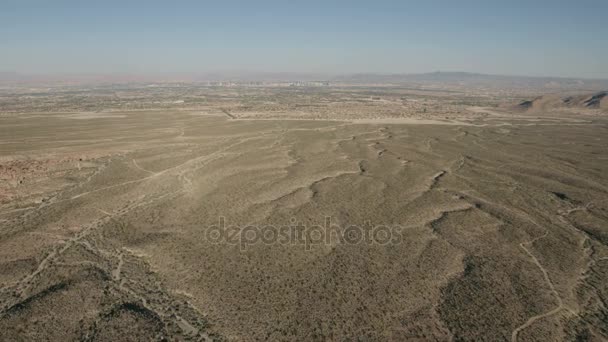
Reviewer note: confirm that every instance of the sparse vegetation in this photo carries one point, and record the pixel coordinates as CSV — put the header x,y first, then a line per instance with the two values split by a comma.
x,y
107,194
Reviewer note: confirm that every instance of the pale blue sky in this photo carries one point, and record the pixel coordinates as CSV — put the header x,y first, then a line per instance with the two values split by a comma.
x,y
554,38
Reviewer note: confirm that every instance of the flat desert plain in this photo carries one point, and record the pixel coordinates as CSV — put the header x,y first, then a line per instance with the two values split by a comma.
x,y
185,224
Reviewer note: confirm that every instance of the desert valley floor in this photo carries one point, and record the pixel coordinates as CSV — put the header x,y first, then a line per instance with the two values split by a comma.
x,y
503,225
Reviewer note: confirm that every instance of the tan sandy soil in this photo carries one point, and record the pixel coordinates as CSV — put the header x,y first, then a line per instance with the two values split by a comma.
x,y
503,224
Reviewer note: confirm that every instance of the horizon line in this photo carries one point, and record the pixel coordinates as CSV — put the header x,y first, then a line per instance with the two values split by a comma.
x,y
236,72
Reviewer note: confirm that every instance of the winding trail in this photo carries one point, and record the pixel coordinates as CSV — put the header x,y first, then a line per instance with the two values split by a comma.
x,y
558,298
141,168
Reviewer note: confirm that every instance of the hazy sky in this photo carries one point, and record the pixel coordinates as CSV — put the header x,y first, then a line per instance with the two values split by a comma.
x,y
533,37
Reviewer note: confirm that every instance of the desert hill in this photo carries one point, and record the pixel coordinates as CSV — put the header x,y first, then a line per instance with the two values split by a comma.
x,y
598,100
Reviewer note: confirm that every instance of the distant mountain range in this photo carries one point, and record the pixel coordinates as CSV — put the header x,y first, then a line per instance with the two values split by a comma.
x,y
464,79
478,80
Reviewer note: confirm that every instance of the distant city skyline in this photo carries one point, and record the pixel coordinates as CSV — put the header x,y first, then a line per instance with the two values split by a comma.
x,y
524,38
